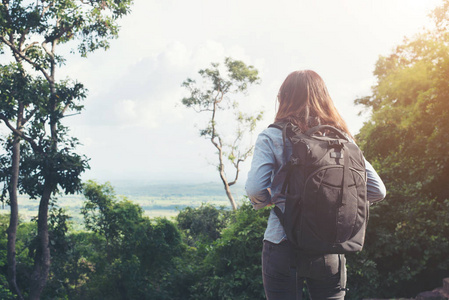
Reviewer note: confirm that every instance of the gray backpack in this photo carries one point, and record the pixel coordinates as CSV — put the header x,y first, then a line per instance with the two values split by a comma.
x,y
326,208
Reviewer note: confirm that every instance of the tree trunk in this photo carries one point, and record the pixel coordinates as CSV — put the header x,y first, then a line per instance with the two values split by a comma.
x,y
221,166
14,218
228,190
42,255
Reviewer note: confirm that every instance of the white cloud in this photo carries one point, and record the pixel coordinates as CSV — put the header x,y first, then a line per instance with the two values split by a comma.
x,y
126,110
134,122
149,92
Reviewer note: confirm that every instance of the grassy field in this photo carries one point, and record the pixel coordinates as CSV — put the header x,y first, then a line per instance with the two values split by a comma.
x,y
157,200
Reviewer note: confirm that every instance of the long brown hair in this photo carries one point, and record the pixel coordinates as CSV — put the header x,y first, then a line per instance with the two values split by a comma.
x,y
305,102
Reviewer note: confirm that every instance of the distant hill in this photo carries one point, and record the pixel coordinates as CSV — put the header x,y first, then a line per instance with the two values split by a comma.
x,y
156,199
132,188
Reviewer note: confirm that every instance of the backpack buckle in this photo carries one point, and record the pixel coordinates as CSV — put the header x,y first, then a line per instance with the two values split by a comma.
x,y
294,161
336,155
335,144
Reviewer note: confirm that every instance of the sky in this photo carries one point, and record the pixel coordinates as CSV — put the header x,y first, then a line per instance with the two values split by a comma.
x,y
134,126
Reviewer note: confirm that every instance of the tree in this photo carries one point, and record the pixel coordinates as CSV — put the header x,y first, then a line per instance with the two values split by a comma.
x,y
406,139
213,98
139,252
17,91
32,31
202,225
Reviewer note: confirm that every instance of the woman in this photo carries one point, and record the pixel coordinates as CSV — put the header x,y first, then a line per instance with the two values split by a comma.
x,y
305,102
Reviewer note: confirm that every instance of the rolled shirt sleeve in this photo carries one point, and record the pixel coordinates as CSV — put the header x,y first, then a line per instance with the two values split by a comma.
x,y
375,187
260,174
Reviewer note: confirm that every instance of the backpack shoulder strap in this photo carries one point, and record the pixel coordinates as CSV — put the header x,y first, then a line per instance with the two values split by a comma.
x,y
282,126
279,214
278,125
336,131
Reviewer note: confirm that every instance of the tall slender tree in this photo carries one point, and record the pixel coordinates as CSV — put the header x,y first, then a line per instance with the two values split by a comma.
x,y
17,91
213,98
32,32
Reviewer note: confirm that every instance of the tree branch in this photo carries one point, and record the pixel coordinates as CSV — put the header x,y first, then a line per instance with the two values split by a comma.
x,y
74,114
29,46
212,122
30,115
19,133
45,8
217,145
236,165
201,109
65,108
22,37
24,57
237,171
62,31
44,45
236,177
220,95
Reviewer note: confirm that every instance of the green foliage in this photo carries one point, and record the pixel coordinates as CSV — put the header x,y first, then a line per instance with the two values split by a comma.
x,y
202,225
213,96
139,252
15,84
232,267
407,249
63,166
239,72
31,31
25,242
362,276
125,255
96,211
93,23
5,293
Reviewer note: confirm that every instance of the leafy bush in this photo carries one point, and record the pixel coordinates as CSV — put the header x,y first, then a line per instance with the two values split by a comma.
x,y
202,225
232,267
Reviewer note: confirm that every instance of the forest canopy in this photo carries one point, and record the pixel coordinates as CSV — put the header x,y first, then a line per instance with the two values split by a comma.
x,y
406,139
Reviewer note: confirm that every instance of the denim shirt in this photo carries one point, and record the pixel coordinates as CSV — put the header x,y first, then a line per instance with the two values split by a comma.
x,y
266,177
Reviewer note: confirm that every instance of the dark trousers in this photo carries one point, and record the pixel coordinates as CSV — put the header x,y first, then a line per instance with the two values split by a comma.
x,y
285,271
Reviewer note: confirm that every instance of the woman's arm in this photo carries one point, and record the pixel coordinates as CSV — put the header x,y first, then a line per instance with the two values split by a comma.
x,y
259,177
375,187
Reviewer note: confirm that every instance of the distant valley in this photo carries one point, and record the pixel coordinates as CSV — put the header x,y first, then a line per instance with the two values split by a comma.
x,y
157,200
